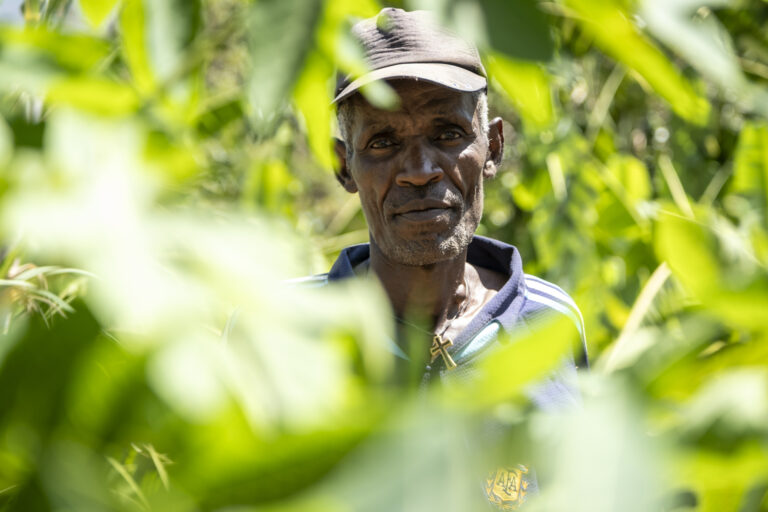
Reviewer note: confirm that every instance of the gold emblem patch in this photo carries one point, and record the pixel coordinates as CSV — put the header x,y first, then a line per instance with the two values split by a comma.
x,y
506,487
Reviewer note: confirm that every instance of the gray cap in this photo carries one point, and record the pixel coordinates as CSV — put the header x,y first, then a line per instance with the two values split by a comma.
x,y
401,44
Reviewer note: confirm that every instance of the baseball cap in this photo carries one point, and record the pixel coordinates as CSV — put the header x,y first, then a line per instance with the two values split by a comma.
x,y
403,44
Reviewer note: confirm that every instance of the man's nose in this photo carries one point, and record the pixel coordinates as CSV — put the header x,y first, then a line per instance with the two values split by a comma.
x,y
418,167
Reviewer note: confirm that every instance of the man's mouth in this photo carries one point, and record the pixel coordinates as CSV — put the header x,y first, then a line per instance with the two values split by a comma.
x,y
422,210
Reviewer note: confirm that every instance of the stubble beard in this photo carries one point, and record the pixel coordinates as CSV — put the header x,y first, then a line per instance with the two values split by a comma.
x,y
442,246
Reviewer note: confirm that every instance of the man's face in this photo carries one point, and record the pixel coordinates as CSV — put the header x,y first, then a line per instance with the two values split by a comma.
x,y
419,171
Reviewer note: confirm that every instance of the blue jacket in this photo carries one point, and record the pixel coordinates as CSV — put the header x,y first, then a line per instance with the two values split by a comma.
x,y
522,300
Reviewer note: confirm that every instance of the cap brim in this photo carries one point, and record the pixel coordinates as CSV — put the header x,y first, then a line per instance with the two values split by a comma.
x,y
448,75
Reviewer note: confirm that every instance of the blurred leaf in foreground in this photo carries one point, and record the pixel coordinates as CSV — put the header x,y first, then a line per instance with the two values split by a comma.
x,y
584,454
695,255
284,28
96,11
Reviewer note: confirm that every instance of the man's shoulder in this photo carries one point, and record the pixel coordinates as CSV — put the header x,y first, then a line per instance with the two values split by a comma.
x,y
542,295
544,298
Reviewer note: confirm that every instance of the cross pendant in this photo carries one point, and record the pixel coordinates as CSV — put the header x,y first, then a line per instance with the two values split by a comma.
x,y
440,346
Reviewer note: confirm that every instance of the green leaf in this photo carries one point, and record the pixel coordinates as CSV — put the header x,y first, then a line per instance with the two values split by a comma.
x,y
280,34
133,40
734,401
311,97
96,11
16,283
267,185
128,478
171,26
34,272
6,143
694,32
56,304
693,253
532,190
94,94
526,85
702,471
178,160
615,34
522,360
633,176
159,465
155,38
69,52
518,29
750,165
515,28
333,32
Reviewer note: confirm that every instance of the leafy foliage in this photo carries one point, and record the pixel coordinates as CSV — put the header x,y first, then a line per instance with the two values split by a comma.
x,y
165,166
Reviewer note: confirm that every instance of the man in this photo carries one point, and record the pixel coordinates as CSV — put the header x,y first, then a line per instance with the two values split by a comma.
x,y
419,171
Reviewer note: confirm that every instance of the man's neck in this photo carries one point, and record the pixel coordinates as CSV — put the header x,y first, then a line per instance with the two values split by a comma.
x,y
434,292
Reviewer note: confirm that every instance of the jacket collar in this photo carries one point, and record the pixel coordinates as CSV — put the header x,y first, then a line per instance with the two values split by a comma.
x,y
504,307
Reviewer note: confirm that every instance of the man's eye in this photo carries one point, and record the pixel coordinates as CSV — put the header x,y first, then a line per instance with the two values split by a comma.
x,y
449,135
381,143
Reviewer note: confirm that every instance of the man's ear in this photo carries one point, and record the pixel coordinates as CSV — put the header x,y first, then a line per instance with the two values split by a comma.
x,y
342,173
495,147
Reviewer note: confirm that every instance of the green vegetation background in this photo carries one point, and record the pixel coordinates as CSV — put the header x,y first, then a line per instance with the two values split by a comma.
x,y
165,165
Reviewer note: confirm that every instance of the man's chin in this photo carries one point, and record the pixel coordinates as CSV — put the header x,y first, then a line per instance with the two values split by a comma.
x,y
426,252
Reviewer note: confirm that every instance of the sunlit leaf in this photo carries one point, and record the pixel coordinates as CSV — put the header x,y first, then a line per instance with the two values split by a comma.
x,y
633,176
750,166
615,34
134,43
518,365
678,369
53,301
284,28
97,95
96,11
694,32
268,185
731,403
529,193
311,96
515,28
176,161
171,26
693,253
73,52
126,475
526,85
702,471
607,428
333,32
16,282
